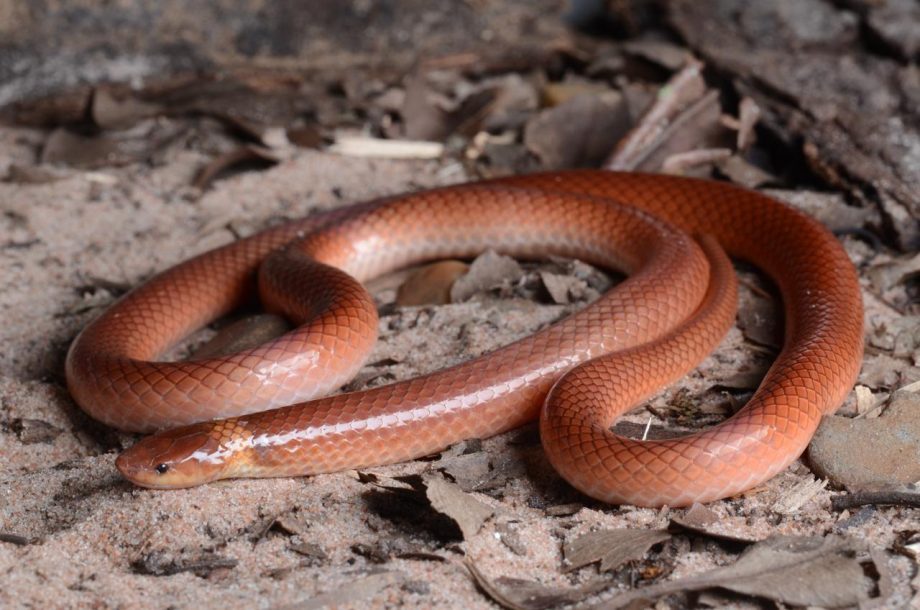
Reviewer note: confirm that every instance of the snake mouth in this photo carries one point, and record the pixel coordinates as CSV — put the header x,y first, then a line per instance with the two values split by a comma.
x,y
174,459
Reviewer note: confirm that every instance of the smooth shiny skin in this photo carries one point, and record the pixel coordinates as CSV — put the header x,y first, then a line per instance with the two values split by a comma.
x,y
666,316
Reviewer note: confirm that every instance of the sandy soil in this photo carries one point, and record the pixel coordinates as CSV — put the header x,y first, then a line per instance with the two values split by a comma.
x,y
83,537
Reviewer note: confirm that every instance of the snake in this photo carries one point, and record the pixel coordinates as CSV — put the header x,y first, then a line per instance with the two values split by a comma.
x,y
266,411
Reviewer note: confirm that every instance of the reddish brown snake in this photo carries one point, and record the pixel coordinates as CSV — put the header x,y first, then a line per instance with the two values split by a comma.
x,y
675,306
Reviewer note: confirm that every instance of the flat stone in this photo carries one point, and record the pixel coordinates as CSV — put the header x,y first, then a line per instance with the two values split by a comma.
x,y
870,453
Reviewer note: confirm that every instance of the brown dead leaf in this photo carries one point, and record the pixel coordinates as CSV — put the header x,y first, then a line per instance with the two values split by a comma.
x,y
431,284
880,371
466,464
677,101
554,94
829,208
748,115
758,323
65,147
464,509
305,136
739,171
801,571
579,132
34,174
659,52
31,431
612,548
447,499
510,536
515,99
488,271
563,289
423,111
520,594
700,520
118,112
699,515
248,153
886,275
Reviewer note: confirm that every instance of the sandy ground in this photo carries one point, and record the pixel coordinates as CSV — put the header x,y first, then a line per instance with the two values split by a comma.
x,y
85,538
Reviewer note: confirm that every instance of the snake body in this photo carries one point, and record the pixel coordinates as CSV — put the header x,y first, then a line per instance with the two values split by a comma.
x,y
256,413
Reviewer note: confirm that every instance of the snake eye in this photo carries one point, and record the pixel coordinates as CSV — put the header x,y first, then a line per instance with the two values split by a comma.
x,y
162,468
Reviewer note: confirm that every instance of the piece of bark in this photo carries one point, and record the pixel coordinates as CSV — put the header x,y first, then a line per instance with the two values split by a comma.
x,y
856,112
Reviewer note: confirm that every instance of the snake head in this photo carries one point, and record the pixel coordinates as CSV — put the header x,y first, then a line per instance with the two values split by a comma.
x,y
182,457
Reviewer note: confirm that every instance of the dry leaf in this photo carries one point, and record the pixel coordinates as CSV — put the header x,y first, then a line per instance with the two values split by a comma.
x,y
799,571
563,289
739,171
448,499
699,515
431,284
466,464
519,594
697,519
243,154
488,271
612,548
759,324
464,509
34,174
111,112
579,132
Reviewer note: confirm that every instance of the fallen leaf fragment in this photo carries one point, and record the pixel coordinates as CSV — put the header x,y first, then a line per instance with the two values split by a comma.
x,y
246,153
488,271
806,571
464,509
32,431
699,520
612,547
431,284
563,289
520,594
461,509
740,171
118,112
579,132
33,174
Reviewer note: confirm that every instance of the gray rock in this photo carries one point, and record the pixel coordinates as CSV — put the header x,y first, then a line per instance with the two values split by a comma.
x,y
871,453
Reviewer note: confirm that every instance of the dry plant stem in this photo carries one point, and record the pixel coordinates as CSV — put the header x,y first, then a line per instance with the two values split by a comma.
x,y
680,93
862,498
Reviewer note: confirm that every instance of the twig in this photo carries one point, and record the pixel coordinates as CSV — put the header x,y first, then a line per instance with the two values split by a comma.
x,y
684,88
861,498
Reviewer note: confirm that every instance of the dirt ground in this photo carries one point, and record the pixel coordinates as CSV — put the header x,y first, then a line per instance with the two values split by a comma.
x,y
77,535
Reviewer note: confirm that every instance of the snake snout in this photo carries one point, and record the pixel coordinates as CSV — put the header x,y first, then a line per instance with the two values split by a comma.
x,y
178,458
